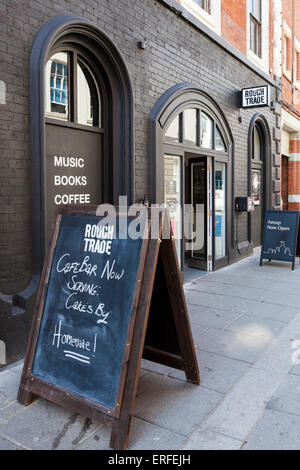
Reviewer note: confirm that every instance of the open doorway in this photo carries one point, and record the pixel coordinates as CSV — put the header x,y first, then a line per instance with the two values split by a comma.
x,y
198,204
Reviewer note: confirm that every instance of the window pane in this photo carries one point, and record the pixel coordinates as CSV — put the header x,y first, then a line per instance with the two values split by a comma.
x,y
206,133
255,9
220,210
87,95
205,4
255,37
253,45
173,197
190,125
256,144
220,145
255,186
56,89
172,132
59,68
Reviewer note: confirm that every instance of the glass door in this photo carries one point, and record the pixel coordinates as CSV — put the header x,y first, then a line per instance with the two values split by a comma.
x,y
173,198
198,191
220,238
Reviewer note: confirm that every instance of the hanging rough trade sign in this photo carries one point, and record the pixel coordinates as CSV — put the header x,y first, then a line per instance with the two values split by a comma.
x,y
102,304
280,236
255,97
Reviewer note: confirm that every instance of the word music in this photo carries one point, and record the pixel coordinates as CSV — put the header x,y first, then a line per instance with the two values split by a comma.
x,y
70,180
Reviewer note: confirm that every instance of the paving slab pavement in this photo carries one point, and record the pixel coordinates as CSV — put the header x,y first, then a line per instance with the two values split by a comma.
x,y
245,329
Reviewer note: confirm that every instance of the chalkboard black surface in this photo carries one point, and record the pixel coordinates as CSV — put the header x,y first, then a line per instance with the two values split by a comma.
x,y
87,309
99,297
280,236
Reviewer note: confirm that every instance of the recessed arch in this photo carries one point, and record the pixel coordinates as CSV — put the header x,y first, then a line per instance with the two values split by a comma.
x,y
174,101
260,124
73,31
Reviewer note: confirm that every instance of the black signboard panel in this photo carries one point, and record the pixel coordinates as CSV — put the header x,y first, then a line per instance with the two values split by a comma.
x,y
95,296
87,309
280,236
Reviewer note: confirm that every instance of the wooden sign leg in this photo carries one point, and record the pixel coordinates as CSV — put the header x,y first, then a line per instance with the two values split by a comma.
x,y
24,396
179,308
120,432
119,438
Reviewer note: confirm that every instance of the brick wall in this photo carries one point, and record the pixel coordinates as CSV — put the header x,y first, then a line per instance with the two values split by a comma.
x,y
290,92
175,52
234,23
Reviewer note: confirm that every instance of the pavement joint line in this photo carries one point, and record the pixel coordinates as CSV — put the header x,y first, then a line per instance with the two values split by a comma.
x,y
12,441
217,433
160,426
266,409
268,318
222,310
240,315
207,306
239,333
8,405
18,412
290,413
224,355
200,386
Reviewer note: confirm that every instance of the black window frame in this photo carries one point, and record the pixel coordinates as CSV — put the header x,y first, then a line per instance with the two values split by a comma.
x,y
75,57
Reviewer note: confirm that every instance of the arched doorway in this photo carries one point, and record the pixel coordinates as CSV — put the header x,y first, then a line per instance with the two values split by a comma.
x,y
191,150
81,122
259,175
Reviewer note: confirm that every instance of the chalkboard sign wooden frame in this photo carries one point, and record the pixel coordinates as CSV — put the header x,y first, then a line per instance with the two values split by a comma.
x,y
182,357
280,252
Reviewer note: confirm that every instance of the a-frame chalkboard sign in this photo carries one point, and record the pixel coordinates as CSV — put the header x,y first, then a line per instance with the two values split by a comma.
x,y
280,236
103,303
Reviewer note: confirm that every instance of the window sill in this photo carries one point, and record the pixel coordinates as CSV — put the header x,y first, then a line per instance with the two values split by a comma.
x,y
287,74
206,18
258,61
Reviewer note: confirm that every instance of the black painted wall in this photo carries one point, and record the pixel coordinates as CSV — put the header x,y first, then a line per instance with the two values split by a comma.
x,y
175,51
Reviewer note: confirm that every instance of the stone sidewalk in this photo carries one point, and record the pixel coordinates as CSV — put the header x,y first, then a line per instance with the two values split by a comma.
x,y
244,319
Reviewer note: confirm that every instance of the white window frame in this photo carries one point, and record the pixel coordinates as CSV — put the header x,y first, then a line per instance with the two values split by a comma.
x,y
297,65
212,20
287,34
263,61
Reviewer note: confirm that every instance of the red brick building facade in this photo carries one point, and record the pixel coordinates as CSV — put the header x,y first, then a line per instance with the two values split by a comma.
x,y
290,159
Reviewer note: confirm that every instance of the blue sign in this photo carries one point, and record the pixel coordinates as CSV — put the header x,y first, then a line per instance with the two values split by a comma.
x,y
218,226
280,236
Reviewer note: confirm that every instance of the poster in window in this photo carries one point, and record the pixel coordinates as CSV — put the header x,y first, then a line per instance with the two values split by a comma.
x,y
171,187
255,186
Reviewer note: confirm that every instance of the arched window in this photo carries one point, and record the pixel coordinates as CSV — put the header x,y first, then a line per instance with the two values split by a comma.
x,y
195,127
71,91
259,176
81,123
257,143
